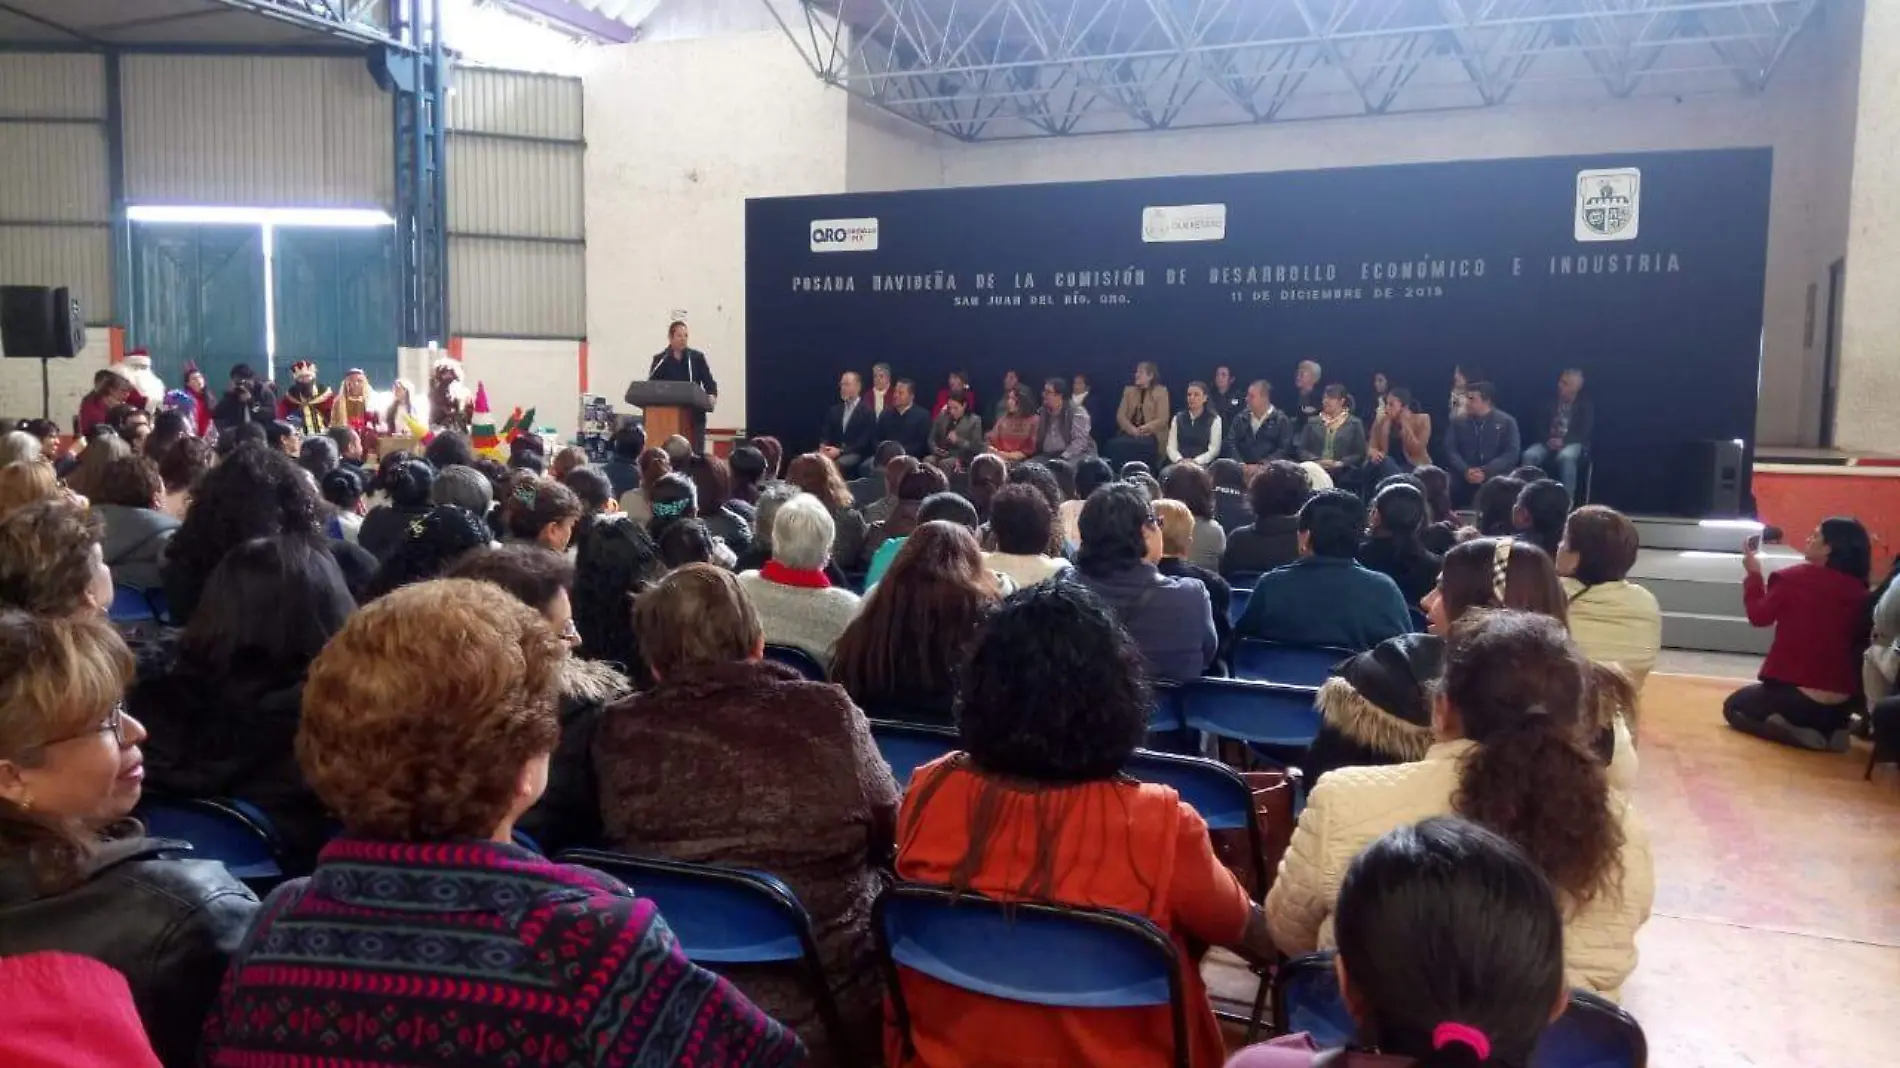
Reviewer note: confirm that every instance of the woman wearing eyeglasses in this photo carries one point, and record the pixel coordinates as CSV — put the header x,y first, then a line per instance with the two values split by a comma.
x,y
76,873
1508,754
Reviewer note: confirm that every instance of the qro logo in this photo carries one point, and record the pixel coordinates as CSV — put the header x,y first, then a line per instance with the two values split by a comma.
x,y
844,235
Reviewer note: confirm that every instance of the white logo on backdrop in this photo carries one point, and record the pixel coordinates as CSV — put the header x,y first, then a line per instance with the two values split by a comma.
x,y
1184,222
844,235
1609,204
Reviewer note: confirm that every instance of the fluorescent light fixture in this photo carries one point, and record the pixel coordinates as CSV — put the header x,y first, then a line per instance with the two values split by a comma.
x,y
191,213
1730,524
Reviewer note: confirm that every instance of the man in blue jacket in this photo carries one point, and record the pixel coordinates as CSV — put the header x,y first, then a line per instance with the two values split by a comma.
x,y
1325,597
1482,445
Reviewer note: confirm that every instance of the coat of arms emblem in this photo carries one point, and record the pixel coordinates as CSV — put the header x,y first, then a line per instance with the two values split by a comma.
x,y
1609,204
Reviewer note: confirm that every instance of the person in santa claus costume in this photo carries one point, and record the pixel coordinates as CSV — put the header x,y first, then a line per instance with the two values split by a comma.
x,y
306,404
137,366
451,406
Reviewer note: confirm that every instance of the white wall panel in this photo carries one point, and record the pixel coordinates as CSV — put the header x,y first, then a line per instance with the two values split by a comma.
x,y
68,380
517,288
543,375
515,188
53,173
514,102
257,131
65,85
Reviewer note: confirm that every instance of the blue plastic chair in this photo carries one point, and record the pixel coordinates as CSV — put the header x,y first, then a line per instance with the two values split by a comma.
x,y
1237,603
1167,732
724,916
1034,954
235,833
1593,1032
1215,790
1243,580
130,605
1288,665
1255,712
909,746
798,660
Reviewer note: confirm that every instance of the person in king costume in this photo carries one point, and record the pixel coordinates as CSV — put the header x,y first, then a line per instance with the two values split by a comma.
x,y
306,404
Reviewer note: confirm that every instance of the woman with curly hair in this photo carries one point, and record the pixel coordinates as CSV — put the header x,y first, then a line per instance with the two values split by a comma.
x,y
256,492
428,725
77,875
898,658
814,473
1509,756
52,562
432,542
1050,706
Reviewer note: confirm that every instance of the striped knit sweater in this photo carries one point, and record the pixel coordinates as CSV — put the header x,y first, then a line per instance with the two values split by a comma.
x,y
474,954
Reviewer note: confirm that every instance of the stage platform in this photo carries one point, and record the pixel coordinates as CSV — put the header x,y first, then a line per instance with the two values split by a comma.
x,y
1695,570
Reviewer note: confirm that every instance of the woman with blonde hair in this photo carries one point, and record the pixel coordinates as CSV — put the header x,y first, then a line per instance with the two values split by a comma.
x,y
101,449
77,874
23,483
814,473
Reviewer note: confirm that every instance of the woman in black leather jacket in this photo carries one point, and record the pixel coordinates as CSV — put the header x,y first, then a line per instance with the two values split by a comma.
x,y
76,874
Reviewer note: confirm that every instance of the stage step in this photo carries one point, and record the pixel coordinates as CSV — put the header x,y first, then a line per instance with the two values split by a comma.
x,y
1714,634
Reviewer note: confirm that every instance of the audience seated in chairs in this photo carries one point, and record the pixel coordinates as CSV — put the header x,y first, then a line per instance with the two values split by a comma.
x,y
1495,505
1171,620
623,466
1335,439
568,814
875,492
1539,514
1275,495
729,521
432,542
1231,509
224,700
1177,538
1091,474
733,760
675,503
1012,437
428,725
616,561
51,563
771,499
748,475
1392,547
1441,522
68,1011
988,474
1193,486
898,658
27,483
920,482
464,487
76,874
103,446
1820,612
409,485
1377,708
1325,597
130,500
635,502
344,493
1050,709
590,485
1613,620
1509,722
956,433
818,476
1451,953
1021,524
539,511
796,601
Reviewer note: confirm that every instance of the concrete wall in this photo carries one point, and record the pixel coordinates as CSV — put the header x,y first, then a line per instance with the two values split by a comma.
x,y
1806,115
70,381
1870,349
679,134
543,375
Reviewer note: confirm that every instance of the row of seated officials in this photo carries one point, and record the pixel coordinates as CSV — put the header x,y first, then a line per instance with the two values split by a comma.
x,y
430,723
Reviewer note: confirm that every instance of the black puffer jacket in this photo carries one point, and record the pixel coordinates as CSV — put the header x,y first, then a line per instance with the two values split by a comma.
x,y
1376,709
167,922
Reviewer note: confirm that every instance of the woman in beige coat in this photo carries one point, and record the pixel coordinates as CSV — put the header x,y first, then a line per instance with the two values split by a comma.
x,y
1613,620
1508,757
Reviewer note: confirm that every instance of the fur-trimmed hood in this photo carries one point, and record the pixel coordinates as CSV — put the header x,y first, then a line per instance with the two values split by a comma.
x,y
1347,711
593,682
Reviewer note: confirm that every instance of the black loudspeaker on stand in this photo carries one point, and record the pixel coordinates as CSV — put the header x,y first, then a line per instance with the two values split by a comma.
x,y
40,323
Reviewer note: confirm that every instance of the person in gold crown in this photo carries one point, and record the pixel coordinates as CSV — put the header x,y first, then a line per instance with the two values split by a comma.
x,y
306,404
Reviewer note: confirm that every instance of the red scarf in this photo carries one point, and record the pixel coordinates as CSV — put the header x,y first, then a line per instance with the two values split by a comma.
x,y
773,571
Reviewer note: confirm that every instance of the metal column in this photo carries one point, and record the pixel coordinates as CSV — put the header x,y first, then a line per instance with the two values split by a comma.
x,y
418,80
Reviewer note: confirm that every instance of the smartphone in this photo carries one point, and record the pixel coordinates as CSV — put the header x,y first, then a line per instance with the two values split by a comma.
x,y
1751,544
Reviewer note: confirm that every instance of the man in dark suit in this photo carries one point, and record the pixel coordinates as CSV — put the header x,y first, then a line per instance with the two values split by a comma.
x,y
1566,424
904,422
1482,445
848,434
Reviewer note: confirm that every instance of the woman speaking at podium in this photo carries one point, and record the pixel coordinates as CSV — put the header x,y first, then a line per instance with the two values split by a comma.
x,y
677,363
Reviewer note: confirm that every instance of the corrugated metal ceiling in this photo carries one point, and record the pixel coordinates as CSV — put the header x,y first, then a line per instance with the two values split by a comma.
x,y
136,23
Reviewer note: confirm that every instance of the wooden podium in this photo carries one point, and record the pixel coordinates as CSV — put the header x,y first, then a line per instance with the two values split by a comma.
x,y
672,408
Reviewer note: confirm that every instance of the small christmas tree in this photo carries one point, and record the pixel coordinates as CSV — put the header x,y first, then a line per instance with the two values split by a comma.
x,y
481,431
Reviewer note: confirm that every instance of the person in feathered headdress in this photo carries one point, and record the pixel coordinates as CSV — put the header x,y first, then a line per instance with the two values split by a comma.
x,y
306,404
451,406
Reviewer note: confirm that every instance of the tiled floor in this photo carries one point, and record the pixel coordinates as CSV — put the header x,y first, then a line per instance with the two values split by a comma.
x,y
1776,934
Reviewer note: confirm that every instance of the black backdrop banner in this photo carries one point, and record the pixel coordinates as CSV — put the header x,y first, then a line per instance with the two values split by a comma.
x,y
1646,270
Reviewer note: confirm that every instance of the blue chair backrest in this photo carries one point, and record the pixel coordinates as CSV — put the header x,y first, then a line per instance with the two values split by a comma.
x,y
1215,790
1593,1032
907,746
1237,603
1035,954
798,660
1256,712
1288,665
130,605
719,915
1243,580
237,834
